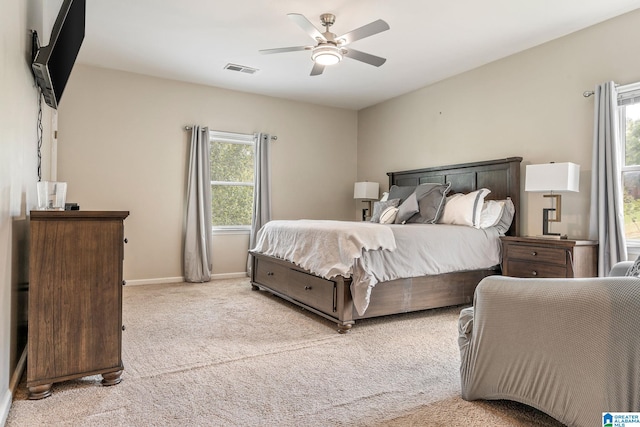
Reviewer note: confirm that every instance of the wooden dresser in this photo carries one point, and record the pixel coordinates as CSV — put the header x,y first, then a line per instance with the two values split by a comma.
x,y
546,257
75,297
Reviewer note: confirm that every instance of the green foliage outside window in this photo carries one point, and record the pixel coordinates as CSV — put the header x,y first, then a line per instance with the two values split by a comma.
x,y
231,205
631,180
232,183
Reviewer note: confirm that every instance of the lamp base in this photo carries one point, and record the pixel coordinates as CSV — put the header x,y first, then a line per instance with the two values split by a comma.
x,y
364,214
545,222
551,237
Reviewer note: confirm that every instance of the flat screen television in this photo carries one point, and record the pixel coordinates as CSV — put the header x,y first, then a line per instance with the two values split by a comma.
x,y
53,63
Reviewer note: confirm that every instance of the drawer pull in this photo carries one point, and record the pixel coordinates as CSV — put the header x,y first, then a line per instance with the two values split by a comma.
x,y
307,288
534,253
534,273
269,273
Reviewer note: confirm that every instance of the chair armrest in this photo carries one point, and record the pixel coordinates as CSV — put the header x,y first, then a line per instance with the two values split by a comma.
x,y
465,326
620,269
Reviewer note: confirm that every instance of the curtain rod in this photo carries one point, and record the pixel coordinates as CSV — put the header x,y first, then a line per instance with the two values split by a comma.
x,y
273,137
588,93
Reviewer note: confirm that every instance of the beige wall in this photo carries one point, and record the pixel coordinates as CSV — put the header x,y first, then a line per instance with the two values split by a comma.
x,y
18,176
122,146
527,105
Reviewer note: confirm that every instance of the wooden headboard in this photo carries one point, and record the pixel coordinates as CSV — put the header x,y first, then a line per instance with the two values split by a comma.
x,y
501,176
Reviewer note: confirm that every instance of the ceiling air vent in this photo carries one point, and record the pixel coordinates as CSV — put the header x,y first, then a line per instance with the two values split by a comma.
x,y
240,68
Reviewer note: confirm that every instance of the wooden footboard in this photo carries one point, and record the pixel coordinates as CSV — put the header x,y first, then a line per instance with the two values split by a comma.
x,y
332,299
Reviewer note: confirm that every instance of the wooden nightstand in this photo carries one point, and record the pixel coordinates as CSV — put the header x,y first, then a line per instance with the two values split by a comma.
x,y
542,257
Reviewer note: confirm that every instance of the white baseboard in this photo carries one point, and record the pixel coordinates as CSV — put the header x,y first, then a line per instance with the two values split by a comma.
x,y
156,281
161,280
229,276
5,405
7,398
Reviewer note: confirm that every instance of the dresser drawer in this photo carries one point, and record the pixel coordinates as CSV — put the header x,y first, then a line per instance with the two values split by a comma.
x,y
271,274
532,253
535,269
312,290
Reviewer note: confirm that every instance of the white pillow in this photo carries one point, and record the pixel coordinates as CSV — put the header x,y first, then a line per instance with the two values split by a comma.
x,y
464,209
388,216
491,213
385,196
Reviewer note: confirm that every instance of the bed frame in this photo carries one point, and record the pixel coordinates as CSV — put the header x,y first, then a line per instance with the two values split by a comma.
x,y
332,298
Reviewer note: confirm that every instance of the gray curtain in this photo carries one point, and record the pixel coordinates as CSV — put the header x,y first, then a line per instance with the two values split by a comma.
x,y
606,223
197,233
261,189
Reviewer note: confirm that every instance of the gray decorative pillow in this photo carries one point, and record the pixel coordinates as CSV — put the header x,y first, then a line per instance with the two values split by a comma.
x,y
407,209
634,270
401,192
431,199
379,207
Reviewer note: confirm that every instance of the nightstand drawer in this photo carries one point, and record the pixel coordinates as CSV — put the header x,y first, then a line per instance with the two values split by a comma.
x,y
542,257
535,269
532,253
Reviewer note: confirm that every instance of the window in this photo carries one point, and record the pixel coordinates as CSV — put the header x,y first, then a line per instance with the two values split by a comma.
x,y
629,122
232,165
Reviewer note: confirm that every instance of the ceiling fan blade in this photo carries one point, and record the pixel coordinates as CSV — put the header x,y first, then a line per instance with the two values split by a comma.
x,y
284,49
317,69
365,57
307,26
370,29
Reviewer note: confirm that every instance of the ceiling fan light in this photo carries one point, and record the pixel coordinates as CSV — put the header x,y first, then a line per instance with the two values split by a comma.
x,y
326,55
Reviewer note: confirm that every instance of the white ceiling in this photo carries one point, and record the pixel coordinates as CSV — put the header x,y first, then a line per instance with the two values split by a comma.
x,y
429,40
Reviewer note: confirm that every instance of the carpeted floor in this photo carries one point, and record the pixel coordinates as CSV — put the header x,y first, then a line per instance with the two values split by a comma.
x,y
220,354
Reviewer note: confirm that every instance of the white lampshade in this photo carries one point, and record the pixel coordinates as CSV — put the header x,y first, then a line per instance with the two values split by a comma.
x,y
553,177
366,190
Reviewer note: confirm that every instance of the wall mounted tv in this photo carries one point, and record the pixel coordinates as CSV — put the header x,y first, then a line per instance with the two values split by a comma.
x,y
52,63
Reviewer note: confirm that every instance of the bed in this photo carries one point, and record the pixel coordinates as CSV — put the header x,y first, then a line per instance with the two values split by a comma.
x,y
332,297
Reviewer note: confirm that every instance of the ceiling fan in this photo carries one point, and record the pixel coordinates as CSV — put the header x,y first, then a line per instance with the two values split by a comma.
x,y
331,48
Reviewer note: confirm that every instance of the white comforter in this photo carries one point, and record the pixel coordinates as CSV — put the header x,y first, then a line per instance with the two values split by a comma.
x,y
325,248
372,253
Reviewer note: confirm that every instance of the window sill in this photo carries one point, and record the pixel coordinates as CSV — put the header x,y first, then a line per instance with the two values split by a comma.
x,y
230,231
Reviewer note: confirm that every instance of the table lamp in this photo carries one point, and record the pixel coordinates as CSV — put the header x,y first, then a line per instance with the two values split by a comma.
x,y
366,191
552,177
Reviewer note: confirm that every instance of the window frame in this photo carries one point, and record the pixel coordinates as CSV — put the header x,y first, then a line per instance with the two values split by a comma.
x,y
626,95
232,138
